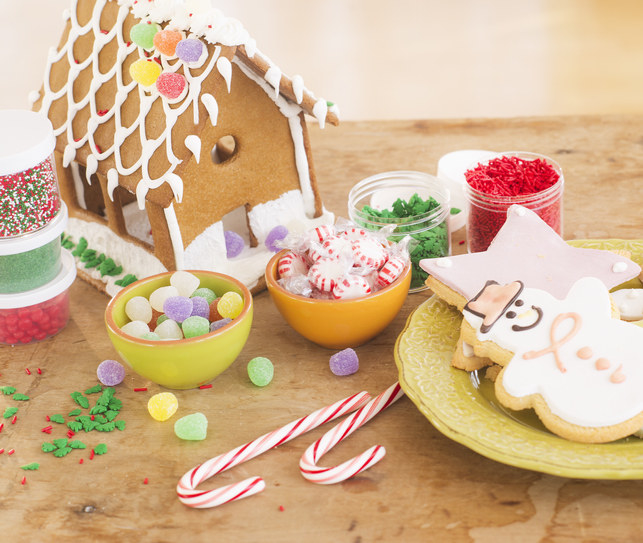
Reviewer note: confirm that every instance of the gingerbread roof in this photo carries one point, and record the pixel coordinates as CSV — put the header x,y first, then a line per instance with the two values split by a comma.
x,y
102,117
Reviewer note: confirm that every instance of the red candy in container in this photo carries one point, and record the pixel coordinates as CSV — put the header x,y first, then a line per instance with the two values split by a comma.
x,y
340,262
32,316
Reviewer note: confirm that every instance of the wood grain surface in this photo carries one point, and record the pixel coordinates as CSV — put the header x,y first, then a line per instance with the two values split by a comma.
x,y
427,488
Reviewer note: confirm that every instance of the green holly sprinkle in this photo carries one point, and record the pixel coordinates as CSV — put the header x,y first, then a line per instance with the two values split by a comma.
x,y
93,390
30,467
48,447
101,448
9,412
7,390
75,412
80,399
20,397
76,444
59,453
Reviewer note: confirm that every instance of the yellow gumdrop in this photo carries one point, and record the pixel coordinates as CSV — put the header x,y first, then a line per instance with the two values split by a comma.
x,y
230,305
162,405
145,71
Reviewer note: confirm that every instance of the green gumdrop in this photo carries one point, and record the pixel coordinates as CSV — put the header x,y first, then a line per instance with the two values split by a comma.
x,y
195,326
161,319
192,427
206,293
142,35
151,336
260,371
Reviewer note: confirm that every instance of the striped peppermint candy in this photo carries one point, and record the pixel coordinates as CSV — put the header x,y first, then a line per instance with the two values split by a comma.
x,y
351,286
369,253
292,264
354,233
390,271
325,273
323,232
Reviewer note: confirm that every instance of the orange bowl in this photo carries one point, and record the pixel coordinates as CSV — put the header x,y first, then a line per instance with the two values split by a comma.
x,y
337,324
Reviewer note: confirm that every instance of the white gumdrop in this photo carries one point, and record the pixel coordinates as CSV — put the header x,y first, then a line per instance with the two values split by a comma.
x,y
185,282
158,297
139,309
169,329
135,328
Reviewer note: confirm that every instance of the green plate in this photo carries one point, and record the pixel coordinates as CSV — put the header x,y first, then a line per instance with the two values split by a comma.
x,y
463,405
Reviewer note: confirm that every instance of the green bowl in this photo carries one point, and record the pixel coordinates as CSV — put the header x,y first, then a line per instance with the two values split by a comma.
x,y
182,363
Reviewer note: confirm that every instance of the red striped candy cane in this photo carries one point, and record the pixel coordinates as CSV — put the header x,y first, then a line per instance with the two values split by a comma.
x,y
328,476
201,499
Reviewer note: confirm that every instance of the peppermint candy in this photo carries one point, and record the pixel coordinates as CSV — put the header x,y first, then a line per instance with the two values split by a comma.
x,y
291,264
326,273
390,271
351,286
354,233
323,232
369,253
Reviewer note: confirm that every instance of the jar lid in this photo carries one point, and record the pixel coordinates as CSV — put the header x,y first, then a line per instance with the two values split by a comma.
x,y
451,169
34,240
26,139
50,290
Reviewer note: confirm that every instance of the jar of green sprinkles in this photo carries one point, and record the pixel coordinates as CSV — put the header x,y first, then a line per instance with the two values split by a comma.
x,y
416,203
31,260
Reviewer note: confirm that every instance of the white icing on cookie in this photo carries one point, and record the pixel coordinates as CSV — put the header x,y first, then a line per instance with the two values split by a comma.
x,y
629,302
551,354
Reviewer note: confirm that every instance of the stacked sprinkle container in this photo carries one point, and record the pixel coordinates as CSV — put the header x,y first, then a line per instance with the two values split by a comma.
x,y
430,230
35,271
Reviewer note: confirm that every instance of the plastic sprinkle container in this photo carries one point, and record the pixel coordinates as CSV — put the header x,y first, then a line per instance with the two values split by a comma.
x,y
493,185
418,206
29,196
29,317
31,260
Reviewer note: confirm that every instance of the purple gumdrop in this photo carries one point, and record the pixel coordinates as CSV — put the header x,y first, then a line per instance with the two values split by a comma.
x,y
234,243
110,372
344,362
178,308
189,50
200,307
276,234
219,324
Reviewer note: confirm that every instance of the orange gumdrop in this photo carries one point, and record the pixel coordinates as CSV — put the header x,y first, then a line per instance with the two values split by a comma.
x,y
214,313
165,41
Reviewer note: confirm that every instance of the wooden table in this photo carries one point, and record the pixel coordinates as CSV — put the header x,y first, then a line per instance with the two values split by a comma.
x,y
427,487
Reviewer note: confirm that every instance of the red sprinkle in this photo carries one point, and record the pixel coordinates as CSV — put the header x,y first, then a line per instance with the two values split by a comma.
x,y
14,419
1,451
11,451
24,481
202,387
282,508
145,481
461,242
47,429
140,389
81,461
1,426
47,418
27,371
91,454
71,433
93,417
39,371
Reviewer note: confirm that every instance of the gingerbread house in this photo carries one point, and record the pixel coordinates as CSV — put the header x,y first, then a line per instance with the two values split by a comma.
x,y
153,175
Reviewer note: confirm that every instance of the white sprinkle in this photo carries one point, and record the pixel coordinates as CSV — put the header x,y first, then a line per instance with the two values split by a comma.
x,y
619,267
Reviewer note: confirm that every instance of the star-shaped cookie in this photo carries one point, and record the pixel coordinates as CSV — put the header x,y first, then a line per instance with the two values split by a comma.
x,y
526,249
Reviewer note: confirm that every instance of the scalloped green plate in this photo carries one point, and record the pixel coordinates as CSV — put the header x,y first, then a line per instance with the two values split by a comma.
x,y
463,405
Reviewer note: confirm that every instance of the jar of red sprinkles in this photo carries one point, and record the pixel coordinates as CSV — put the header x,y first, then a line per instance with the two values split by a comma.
x,y
492,186
29,197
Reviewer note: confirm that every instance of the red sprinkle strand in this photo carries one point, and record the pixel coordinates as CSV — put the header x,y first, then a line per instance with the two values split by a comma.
x,y
24,480
140,389
71,433
203,387
47,429
14,419
1,426
282,508
145,481
91,454
1,451
47,418
11,451
27,371
39,371
81,461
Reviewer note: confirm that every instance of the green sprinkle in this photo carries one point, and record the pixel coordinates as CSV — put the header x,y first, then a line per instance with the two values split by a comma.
x,y
120,424
59,453
90,425
61,443
48,447
80,248
126,280
106,427
59,419
115,404
110,415
75,412
116,271
30,467
75,426
97,409
9,412
101,448
20,397
94,390
76,444
8,390
80,399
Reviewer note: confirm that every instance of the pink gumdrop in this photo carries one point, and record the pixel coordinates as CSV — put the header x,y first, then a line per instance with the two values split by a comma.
x,y
171,85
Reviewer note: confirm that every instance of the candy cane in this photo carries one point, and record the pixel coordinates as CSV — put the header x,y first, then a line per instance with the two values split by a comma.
x,y
201,499
329,476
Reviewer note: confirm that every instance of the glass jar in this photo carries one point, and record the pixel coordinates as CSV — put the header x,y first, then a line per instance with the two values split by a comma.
x,y
401,193
30,260
488,212
29,196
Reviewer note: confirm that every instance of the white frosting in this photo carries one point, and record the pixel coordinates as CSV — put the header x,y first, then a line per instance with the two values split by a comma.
x,y
629,302
581,394
298,87
273,76
193,143
112,182
225,69
212,107
619,267
320,110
